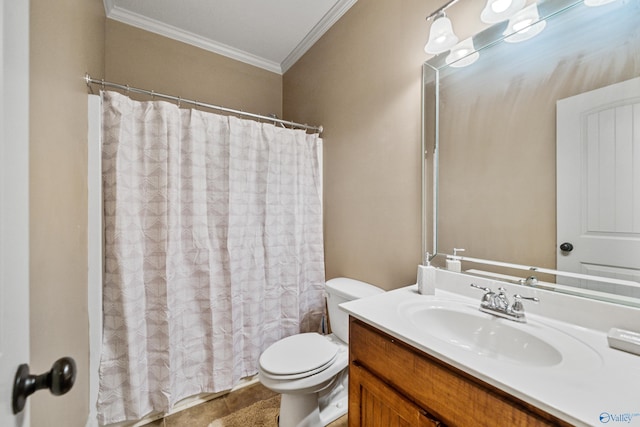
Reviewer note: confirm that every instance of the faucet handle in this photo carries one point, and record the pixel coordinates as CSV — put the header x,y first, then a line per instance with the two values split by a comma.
x,y
517,303
520,297
487,298
482,288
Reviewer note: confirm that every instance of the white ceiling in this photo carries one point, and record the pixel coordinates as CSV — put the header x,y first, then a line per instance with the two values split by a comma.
x,y
270,34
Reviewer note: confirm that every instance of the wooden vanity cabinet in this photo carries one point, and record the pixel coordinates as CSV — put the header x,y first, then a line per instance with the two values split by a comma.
x,y
393,384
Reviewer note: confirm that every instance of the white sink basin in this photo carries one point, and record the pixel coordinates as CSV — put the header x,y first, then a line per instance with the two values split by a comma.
x,y
465,327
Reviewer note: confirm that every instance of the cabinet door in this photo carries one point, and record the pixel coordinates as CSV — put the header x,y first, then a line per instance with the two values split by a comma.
x,y
373,403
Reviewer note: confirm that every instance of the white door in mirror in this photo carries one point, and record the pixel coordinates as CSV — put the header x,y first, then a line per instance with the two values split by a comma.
x,y
598,183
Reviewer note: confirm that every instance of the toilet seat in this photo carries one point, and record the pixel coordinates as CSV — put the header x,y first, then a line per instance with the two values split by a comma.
x,y
298,356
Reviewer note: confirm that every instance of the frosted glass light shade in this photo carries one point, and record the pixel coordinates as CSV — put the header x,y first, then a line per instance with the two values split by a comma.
x,y
441,36
500,10
462,54
524,25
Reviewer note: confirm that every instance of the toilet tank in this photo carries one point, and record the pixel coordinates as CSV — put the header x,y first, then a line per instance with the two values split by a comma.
x,y
341,290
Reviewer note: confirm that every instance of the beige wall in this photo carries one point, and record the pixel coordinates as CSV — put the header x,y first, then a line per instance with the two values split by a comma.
x,y
361,81
149,61
66,40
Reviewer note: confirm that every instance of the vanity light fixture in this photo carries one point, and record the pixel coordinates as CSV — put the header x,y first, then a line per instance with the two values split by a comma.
x,y
462,54
524,25
500,10
441,35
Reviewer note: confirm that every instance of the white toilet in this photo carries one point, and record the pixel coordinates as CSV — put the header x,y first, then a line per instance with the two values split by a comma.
x,y
310,370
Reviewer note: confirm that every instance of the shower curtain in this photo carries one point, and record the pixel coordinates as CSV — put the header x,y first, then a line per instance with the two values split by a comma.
x,y
213,250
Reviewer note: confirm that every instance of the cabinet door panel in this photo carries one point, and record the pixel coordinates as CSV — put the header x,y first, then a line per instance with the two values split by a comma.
x,y
372,403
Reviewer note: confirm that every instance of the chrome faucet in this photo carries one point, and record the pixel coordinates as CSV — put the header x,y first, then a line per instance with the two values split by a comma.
x,y
498,304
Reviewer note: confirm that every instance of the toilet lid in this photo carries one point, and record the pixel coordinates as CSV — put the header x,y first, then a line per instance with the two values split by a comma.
x,y
299,354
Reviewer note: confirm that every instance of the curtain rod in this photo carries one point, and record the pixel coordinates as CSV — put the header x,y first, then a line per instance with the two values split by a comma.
x,y
151,93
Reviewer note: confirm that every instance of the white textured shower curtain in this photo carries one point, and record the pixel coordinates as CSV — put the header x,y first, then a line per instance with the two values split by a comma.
x,y
213,250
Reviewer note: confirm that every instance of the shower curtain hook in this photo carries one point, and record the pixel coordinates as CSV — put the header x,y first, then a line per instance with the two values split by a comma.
x,y
127,90
152,94
179,101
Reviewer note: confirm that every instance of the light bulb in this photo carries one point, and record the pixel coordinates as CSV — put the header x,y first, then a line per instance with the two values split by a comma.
x,y
499,6
524,25
462,54
519,26
500,10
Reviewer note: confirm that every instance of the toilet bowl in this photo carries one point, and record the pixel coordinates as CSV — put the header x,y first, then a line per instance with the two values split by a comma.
x,y
310,370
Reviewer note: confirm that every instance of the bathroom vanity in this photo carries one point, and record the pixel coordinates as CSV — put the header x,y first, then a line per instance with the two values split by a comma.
x,y
420,360
394,384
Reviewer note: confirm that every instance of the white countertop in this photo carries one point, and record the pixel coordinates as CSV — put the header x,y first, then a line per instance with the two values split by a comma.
x,y
598,382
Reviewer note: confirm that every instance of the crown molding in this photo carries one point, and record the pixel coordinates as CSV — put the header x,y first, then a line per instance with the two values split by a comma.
x,y
157,27
108,6
327,21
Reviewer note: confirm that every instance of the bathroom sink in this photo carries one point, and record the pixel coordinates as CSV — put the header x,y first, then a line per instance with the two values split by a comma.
x,y
465,327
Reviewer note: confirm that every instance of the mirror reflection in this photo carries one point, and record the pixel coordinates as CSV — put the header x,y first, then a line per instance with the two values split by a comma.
x,y
539,145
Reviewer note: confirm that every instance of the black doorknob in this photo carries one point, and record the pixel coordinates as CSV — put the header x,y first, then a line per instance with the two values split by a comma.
x,y
566,247
58,380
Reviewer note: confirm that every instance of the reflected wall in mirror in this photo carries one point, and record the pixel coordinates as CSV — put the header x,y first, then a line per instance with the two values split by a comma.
x,y
494,123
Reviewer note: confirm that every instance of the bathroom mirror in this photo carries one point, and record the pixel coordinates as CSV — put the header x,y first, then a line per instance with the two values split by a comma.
x,y
491,168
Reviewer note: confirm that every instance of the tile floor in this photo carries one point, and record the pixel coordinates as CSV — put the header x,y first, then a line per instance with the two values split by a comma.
x,y
202,415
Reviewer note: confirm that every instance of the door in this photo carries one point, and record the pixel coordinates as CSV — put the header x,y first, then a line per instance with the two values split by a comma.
x,y
598,185
14,196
